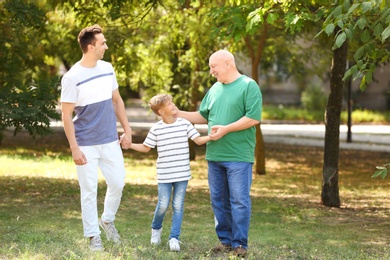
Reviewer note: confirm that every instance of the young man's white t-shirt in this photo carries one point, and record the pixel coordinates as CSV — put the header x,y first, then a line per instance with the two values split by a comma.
x,y
90,89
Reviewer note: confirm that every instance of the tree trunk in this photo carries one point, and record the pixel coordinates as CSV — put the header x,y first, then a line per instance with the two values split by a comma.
x,y
256,59
330,189
260,152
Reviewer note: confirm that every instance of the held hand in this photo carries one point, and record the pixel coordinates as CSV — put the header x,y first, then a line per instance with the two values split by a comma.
x,y
125,140
79,157
217,132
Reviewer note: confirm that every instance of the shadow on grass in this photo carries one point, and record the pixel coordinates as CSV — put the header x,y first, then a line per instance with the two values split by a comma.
x,y
41,216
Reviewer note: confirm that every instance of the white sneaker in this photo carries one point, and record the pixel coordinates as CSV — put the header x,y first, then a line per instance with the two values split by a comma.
x,y
174,244
95,244
156,236
111,232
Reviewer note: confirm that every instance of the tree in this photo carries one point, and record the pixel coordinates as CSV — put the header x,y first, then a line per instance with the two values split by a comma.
x,y
28,90
364,23
259,31
330,189
254,44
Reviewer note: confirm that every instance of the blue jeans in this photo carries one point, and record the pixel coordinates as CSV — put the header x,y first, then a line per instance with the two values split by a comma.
x,y
164,196
230,184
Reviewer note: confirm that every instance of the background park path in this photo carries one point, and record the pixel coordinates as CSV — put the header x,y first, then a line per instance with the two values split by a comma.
x,y
364,136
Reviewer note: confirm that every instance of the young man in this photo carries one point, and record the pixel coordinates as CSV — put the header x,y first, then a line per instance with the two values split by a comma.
x,y
170,135
90,91
232,108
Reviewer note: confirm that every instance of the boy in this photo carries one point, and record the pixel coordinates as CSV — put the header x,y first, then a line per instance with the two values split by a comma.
x,y
170,135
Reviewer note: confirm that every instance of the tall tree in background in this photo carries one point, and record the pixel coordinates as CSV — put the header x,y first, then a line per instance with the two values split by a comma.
x,y
258,30
367,24
28,91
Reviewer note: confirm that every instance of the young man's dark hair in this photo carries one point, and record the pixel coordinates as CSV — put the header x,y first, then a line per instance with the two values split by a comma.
x,y
87,36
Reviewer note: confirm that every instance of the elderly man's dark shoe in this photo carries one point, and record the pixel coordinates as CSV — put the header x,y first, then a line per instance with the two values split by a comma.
x,y
240,251
222,248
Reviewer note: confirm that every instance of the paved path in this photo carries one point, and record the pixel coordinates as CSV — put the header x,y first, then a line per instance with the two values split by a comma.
x,y
364,137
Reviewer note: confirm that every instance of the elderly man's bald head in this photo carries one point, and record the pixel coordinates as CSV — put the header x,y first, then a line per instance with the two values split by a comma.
x,y
223,66
223,55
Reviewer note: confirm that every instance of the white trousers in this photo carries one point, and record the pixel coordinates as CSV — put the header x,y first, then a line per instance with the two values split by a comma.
x,y
109,158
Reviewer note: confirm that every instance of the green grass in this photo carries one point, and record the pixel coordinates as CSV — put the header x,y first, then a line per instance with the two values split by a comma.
x,y
288,113
40,208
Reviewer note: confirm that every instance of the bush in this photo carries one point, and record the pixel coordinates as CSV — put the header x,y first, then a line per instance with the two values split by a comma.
x,y
314,98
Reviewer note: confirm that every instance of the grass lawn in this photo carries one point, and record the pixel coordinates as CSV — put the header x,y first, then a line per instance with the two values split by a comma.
x,y
40,208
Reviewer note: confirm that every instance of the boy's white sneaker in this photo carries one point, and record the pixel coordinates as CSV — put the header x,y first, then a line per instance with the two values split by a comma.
x,y
156,236
174,244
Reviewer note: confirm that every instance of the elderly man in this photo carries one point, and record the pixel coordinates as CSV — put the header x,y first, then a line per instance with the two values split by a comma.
x,y
231,108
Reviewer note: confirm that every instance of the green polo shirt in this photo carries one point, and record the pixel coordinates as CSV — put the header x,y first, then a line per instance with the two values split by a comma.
x,y
224,104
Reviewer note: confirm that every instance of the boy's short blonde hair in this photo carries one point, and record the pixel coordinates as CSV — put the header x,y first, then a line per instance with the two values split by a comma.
x,y
158,101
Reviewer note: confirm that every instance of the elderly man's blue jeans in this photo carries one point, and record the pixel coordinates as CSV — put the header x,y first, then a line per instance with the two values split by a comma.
x,y
229,184
164,196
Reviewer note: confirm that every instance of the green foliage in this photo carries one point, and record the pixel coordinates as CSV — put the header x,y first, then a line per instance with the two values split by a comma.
x,y
27,91
163,46
285,113
296,114
381,171
30,108
367,116
314,98
366,25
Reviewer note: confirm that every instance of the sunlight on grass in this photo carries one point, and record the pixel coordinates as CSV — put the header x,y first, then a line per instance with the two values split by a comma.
x,y
40,205
44,167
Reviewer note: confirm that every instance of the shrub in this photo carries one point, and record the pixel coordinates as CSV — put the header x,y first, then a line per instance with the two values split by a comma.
x,y
314,98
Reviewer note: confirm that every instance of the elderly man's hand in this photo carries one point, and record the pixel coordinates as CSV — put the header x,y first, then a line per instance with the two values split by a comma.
x,y
217,132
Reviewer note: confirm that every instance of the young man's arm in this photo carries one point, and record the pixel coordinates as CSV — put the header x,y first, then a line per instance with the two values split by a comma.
x,y
67,119
120,112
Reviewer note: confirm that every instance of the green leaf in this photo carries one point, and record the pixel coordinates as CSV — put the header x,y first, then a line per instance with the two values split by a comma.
x,y
254,18
272,18
341,39
349,33
347,74
386,34
361,23
337,11
354,69
382,173
352,8
378,29
363,84
329,29
340,24
347,4
369,77
359,53
365,36
366,6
